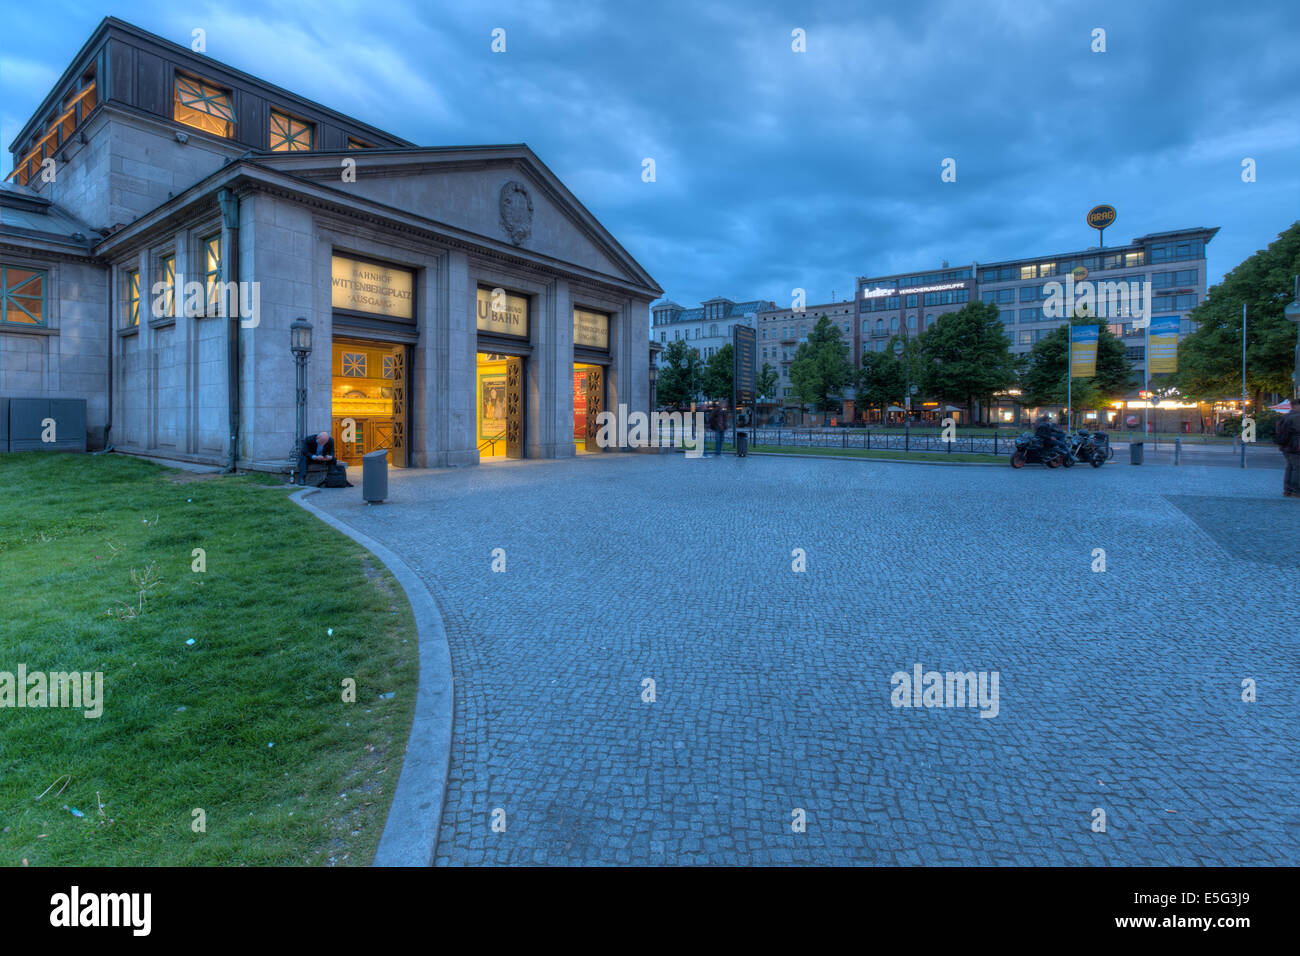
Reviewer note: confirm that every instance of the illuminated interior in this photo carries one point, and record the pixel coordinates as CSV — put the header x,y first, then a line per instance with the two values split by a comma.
x,y
367,395
491,391
580,376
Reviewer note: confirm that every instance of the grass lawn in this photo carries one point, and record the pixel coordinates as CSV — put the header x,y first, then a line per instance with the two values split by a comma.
x,y
874,453
247,723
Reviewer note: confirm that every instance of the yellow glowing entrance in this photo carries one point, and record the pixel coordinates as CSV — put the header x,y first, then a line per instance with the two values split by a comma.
x,y
368,398
500,400
588,403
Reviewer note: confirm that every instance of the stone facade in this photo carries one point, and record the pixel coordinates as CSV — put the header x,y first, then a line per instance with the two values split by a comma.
x,y
153,191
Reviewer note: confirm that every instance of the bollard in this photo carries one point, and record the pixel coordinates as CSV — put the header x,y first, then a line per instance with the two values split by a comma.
x,y
1178,448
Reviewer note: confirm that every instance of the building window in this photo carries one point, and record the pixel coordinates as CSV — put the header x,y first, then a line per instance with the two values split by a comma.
x,y
1046,269
911,323
893,324
76,107
289,135
212,274
203,107
1026,337
23,294
354,143
133,297
1029,272
354,364
1136,352
1028,293
1006,295
165,288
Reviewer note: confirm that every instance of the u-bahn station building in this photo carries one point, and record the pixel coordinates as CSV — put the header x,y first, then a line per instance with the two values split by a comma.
x,y
169,218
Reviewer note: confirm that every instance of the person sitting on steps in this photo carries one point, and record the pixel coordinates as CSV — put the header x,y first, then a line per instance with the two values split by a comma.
x,y
314,448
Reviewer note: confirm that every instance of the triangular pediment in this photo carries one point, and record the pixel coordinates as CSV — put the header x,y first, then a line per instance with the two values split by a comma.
x,y
502,194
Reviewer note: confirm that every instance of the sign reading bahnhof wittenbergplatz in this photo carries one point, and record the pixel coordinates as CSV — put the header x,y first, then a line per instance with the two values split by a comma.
x,y
502,313
590,329
371,287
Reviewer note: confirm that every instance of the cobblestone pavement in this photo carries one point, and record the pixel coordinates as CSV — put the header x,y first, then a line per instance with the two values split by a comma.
x,y
1119,691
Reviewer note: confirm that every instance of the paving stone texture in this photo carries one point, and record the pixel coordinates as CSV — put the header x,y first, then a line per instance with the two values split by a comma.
x,y
1118,691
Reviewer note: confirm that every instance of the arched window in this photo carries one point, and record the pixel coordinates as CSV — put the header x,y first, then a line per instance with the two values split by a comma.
x,y
929,321
865,324
880,326
713,330
893,324
911,323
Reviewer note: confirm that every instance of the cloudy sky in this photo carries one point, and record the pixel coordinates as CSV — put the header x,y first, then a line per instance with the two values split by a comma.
x,y
777,169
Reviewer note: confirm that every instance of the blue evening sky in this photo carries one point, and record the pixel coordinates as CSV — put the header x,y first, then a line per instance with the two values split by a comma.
x,y
778,169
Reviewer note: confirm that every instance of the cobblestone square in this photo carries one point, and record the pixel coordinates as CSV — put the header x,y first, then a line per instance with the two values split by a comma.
x,y
1118,691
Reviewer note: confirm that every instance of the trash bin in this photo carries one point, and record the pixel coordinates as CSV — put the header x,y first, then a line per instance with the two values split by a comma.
x,y
1135,453
742,444
374,476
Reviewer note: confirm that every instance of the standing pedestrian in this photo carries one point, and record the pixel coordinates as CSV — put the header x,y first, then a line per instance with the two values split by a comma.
x,y
718,422
1287,435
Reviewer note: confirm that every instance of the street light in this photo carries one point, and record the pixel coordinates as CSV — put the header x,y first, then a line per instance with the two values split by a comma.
x,y
300,345
1292,312
900,351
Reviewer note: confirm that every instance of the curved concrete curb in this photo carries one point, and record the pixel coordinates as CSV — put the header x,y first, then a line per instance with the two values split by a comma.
x,y
410,836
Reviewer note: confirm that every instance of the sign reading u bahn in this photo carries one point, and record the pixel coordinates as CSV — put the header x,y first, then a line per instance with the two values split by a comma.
x,y
1099,217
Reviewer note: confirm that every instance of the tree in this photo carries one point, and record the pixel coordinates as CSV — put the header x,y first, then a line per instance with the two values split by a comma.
x,y
719,372
1209,360
966,355
821,369
1045,379
768,382
680,375
881,380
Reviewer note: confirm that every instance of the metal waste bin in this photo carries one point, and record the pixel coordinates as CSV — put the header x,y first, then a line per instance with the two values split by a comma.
x,y
1135,453
374,476
742,444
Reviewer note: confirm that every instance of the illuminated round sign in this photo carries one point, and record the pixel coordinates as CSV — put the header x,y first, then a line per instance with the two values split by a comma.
x,y
1099,217
1080,273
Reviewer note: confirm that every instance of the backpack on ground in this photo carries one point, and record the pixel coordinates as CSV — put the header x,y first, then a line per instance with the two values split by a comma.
x,y
336,476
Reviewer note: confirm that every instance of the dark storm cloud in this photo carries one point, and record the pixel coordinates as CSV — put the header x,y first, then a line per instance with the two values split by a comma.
x,y
778,169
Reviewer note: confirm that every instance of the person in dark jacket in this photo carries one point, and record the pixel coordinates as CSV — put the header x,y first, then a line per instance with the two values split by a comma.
x,y
1287,435
718,422
314,448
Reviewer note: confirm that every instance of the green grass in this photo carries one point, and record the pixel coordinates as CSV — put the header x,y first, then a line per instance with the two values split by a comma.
x,y
191,726
898,454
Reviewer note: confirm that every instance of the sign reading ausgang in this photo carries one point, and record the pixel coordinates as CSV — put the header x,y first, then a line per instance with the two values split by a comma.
x,y
502,313
743,370
590,329
371,287
1099,217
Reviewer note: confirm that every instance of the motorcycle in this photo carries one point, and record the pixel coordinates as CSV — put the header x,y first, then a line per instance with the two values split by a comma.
x,y
1102,441
1030,449
1090,448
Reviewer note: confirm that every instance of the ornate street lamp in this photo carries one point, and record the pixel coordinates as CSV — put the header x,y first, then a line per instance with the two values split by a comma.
x,y
300,345
900,350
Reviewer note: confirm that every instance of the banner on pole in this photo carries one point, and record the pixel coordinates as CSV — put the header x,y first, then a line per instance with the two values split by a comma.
x,y
1162,345
1083,350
